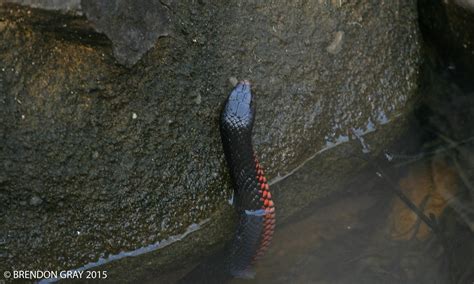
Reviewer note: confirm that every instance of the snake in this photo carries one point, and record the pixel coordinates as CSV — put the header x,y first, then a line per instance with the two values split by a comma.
x,y
252,197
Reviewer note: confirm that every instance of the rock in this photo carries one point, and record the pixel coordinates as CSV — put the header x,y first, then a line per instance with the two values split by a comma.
x,y
60,5
323,74
447,25
466,4
429,186
133,26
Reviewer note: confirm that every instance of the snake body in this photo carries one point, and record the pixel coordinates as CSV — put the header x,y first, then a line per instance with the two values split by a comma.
x,y
252,197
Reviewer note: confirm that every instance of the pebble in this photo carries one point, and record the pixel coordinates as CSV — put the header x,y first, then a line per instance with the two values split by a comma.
x,y
35,201
336,44
198,99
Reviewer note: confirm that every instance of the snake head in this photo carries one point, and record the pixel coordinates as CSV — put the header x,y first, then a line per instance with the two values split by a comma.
x,y
239,110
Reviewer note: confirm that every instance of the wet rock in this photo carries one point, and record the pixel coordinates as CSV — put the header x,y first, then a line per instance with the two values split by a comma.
x,y
133,26
61,5
323,73
466,4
